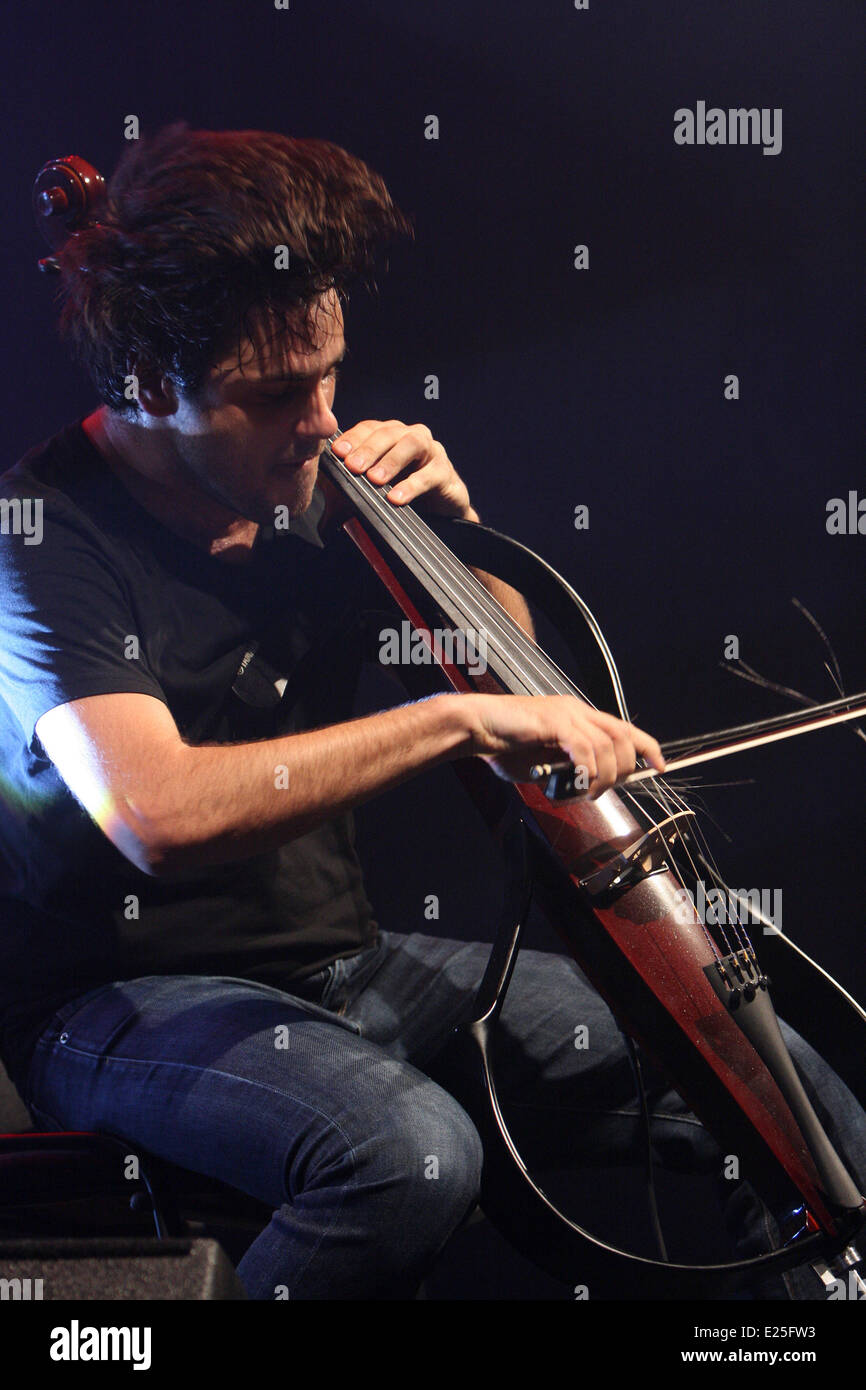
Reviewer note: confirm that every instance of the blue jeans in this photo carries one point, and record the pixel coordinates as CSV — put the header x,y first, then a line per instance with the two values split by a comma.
x,y
323,1103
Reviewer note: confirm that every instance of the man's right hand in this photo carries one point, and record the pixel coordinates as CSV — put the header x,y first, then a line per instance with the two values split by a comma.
x,y
514,732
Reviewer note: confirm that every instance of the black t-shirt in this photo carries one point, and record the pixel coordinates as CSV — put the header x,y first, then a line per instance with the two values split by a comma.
x,y
97,596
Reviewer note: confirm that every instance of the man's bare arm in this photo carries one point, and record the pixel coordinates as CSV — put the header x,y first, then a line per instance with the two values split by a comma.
x,y
512,601
173,808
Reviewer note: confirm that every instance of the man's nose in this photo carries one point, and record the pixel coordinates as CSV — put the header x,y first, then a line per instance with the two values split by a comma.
x,y
318,417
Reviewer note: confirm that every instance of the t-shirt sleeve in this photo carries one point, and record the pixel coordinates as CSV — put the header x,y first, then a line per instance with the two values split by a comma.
x,y
67,625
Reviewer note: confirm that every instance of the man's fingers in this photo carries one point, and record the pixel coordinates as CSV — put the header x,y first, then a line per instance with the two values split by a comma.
x,y
649,748
607,761
384,449
643,743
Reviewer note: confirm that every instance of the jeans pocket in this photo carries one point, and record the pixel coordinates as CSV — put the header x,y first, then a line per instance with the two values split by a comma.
x,y
94,1022
352,974
313,987
56,1032
324,1013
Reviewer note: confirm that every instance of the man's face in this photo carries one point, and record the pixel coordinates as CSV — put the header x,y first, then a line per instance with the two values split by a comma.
x,y
251,439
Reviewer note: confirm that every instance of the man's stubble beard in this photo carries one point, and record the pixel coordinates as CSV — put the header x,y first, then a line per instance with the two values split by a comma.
x,y
195,467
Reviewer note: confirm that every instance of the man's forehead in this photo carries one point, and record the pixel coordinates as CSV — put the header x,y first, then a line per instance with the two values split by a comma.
x,y
293,345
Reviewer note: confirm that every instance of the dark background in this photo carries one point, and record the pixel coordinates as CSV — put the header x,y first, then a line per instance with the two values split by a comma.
x,y
561,387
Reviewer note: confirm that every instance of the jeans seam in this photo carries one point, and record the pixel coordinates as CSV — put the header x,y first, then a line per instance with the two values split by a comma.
x,y
212,1071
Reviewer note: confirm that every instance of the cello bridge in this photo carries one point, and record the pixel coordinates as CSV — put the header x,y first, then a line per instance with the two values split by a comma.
x,y
640,860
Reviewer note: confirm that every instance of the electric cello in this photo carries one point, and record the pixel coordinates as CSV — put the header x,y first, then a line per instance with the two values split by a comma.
x,y
610,876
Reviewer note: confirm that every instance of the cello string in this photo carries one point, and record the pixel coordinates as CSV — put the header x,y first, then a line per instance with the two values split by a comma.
x,y
439,557
465,578
669,798
556,681
561,683
498,618
705,854
667,801
550,681
446,575
426,541
472,597
467,591
536,670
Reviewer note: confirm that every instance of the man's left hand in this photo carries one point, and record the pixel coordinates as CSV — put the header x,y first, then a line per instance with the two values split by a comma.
x,y
385,450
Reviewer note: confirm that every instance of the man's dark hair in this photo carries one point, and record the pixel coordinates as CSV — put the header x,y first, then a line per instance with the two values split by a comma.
x,y
186,250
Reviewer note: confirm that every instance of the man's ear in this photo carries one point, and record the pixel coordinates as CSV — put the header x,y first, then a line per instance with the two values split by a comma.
x,y
157,395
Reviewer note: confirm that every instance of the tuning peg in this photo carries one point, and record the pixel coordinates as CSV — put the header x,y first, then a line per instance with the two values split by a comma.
x,y
67,195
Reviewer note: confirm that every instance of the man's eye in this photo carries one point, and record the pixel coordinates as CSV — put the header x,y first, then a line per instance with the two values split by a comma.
x,y
292,392
273,398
